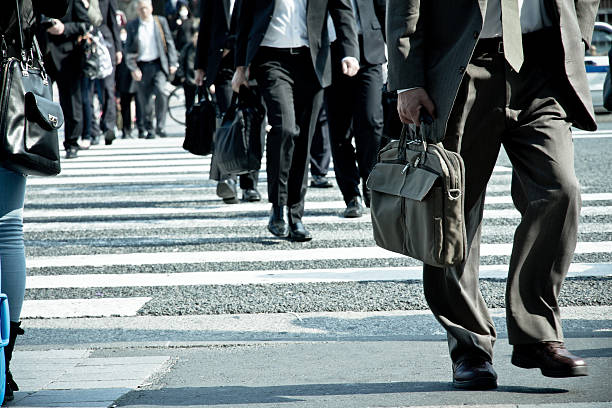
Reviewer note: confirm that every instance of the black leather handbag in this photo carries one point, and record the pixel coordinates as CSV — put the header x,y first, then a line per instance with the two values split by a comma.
x,y
200,125
29,119
239,139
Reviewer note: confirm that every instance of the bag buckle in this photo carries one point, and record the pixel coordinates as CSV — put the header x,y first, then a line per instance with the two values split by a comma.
x,y
53,119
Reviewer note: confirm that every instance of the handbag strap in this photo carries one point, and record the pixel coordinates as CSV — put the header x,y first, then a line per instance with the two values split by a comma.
x,y
21,41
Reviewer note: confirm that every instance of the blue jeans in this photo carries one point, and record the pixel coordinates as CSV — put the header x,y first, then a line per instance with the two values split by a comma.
x,y
12,251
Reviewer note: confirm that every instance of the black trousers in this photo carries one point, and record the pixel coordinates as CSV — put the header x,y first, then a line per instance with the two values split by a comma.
x,y
153,82
223,97
108,121
71,99
354,108
126,109
293,98
320,149
527,113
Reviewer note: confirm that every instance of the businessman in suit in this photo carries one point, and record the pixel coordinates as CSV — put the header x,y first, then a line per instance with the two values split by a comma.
x,y
496,78
354,106
64,62
151,60
215,66
284,45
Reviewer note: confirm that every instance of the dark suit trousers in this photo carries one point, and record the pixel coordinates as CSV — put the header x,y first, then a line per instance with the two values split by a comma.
x,y
223,97
525,113
293,98
109,103
354,108
320,149
153,82
71,99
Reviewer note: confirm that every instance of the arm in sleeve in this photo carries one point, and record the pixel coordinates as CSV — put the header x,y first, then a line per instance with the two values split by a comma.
x,y
246,12
405,43
380,9
586,11
112,22
80,23
204,33
342,15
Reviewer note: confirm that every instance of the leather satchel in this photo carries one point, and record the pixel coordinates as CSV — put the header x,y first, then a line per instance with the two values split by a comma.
x,y
29,119
239,139
200,125
417,203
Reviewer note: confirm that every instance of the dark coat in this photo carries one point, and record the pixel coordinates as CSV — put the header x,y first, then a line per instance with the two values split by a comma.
x,y
254,18
109,27
167,59
123,77
216,27
431,42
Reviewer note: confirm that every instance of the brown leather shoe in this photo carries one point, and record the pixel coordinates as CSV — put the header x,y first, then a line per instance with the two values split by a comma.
x,y
474,373
551,357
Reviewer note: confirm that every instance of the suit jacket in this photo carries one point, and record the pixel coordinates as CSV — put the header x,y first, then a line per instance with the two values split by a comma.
x,y
372,19
255,15
109,27
431,42
216,24
132,45
63,49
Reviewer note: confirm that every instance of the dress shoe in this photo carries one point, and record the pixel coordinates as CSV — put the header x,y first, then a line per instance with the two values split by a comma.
x,y
551,357
95,140
354,209
297,231
127,134
109,136
320,182
227,189
162,133
150,135
277,224
250,195
72,152
142,134
474,373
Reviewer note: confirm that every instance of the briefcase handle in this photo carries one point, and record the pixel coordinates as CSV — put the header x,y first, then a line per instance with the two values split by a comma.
x,y
413,134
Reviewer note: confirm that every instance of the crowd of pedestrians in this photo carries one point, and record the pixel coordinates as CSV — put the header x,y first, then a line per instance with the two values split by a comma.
x,y
319,67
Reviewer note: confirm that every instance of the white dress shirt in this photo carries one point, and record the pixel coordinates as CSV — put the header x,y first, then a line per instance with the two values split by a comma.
x,y
287,28
147,43
532,12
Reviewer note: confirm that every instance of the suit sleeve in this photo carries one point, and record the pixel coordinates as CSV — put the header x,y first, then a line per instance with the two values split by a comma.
x,y
172,54
80,21
51,8
204,33
586,11
405,43
114,27
342,15
246,12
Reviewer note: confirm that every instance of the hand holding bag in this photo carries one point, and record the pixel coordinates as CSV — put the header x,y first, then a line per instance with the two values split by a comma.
x,y
239,139
418,198
29,119
200,125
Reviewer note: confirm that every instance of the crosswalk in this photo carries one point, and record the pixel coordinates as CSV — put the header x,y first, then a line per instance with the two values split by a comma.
x,y
125,224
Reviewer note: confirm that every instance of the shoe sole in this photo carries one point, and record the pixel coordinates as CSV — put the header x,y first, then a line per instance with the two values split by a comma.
x,y
352,215
523,362
299,238
251,200
476,384
225,191
231,200
321,185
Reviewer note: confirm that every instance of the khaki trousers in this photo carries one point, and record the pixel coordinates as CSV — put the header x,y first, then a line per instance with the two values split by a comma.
x,y
525,113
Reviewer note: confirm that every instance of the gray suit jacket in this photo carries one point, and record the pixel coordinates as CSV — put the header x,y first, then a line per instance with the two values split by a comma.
x,y
430,44
167,59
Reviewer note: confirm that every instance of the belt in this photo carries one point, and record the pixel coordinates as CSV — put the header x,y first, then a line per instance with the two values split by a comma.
x,y
490,46
148,62
289,51
533,41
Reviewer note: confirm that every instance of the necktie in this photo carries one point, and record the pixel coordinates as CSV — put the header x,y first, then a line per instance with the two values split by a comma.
x,y
511,33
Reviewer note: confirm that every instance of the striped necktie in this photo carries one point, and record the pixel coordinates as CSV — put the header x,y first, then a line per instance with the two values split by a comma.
x,y
511,34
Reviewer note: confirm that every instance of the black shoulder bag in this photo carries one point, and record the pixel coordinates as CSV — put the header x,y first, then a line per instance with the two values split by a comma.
x,y
200,126
29,119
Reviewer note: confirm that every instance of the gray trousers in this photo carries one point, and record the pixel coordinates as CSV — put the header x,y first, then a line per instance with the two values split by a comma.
x,y
524,112
153,82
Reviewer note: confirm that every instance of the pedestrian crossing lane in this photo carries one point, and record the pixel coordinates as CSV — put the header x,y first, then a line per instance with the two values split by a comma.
x,y
142,213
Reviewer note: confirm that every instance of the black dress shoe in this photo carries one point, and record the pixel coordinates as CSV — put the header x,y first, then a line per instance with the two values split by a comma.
x,y
277,224
551,357
72,152
227,189
142,134
320,182
231,200
298,233
127,134
150,135
354,209
109,136
251,195
474,373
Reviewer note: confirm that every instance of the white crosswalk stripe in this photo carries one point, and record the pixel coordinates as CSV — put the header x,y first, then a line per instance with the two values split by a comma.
x,y
146,203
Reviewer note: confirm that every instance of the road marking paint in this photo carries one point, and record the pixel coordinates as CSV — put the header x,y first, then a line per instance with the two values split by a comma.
x,y
105,307
273,276
164,258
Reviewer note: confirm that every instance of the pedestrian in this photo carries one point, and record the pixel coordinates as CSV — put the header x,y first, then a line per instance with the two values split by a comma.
x,y
186,25
284,46
126,88
520,82
13,185
152,60
214,69
354,107
65,66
